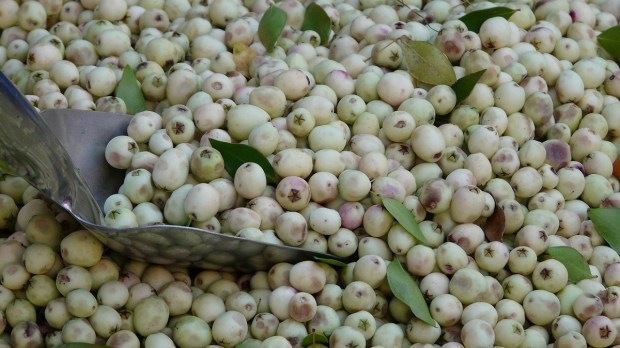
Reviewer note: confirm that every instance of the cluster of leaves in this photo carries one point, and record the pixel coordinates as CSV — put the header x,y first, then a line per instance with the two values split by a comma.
x,y
274,19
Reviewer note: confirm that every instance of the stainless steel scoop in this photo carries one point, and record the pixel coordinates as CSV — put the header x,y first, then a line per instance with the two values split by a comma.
x,y
61,153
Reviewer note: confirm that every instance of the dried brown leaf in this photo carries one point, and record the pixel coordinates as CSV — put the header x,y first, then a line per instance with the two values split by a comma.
x,y
495,225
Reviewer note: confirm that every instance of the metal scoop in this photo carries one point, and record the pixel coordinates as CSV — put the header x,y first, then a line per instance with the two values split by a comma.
x,y
61,153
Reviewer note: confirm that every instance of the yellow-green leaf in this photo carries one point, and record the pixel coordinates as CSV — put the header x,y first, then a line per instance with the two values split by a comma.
x,y
7,169
474,19
315,18
406,289
574,262
236,155
404,217
130,92
330,261
426,63
314,338
463,86
610,41
270,26
607,224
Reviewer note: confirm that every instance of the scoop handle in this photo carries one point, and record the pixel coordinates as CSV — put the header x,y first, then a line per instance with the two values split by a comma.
x,y
29,149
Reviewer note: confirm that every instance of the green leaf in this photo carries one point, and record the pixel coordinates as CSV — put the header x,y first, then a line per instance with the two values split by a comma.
x,y
315,18
607,222
404,218
330,261
236,155
314,338
405,289
463,86
426,63
474,19
6,169
271,26
130,92
610,41
80,345
574,262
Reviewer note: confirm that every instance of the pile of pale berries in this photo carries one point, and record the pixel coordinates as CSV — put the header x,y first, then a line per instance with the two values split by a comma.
x,y
344,125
